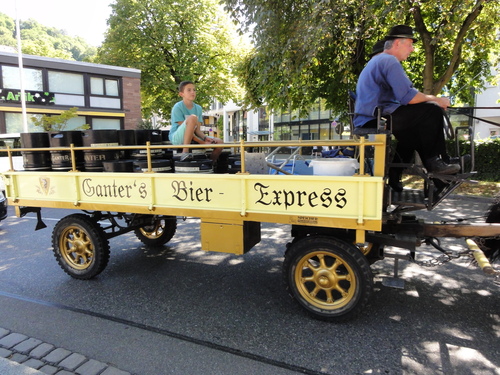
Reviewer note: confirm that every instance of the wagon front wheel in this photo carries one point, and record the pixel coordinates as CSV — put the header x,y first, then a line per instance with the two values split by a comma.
x,y
80,246
330,278
491,246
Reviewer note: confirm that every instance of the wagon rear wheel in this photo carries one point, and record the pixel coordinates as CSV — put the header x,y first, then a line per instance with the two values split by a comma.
x,y
159,232
330,278
80,246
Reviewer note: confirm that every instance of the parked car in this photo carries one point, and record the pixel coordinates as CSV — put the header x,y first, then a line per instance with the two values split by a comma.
x,y
3,201
3,206
13,141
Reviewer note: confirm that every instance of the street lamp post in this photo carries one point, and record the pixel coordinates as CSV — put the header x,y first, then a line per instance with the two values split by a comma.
x,y
21,73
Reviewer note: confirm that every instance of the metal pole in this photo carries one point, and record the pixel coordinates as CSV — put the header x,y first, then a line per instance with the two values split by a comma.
x,y
21,73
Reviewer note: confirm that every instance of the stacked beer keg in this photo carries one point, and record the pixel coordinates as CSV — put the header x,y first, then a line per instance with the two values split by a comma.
x,y
99,158
161,159
36,160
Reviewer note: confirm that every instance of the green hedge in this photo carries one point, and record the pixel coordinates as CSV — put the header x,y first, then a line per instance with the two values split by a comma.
x,y
487,157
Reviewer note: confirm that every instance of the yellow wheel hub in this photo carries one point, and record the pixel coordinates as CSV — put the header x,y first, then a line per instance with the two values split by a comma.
x,y
76,248
325,280
153,231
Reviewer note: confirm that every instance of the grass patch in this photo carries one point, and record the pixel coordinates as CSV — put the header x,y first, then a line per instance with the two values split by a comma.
x,y
476,188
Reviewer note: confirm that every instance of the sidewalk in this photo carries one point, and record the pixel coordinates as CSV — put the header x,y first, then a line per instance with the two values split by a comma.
x,y
66,342
23,355
13,368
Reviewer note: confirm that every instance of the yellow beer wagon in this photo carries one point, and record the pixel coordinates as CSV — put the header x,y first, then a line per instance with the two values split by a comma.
x,y
340,224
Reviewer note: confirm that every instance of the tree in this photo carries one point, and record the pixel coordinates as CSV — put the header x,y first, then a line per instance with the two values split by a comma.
x,y
40,40
7,26
309,49
170,42
57,122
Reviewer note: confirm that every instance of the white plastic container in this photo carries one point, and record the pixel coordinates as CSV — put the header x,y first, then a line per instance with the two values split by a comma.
x,y
334,166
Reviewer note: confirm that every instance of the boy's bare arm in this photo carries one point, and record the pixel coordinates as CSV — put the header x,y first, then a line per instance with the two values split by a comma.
x,y
199,136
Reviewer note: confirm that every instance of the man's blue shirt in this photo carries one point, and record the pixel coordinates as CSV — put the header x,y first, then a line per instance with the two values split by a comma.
x,y
382,83
179,114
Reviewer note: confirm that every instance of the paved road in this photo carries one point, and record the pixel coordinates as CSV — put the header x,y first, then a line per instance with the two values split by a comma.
x,y
178,310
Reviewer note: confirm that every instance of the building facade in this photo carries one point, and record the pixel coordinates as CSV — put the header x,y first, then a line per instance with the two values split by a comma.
x,y
107,97
319,124
322,124
237,124
263,125
488,103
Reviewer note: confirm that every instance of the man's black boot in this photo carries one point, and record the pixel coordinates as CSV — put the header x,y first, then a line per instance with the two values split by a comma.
x,y
457,159
437,165
395,183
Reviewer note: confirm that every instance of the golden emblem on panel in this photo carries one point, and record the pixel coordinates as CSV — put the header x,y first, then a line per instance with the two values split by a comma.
x,y
44,186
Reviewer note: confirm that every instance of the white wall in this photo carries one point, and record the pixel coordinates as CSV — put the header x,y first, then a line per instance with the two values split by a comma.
x,y
490,97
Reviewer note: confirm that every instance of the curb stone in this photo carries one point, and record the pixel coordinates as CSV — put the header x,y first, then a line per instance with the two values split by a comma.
x,y
32,356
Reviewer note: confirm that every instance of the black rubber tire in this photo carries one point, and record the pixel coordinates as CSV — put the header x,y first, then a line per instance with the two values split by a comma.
x,y
372,251
161,231
80,246
329,278
491,246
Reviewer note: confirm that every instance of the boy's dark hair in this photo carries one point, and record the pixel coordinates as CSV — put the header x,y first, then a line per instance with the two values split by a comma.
x,y
184,84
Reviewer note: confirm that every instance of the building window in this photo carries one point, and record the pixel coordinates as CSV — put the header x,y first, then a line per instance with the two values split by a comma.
x,y
104,93
106,123
276,116
66,83
75,123
295,130
314,132
70,100
104,86
14,123
263,119
68,88
325,131
12,80
286,133
324,113
314,114
285,115
100,102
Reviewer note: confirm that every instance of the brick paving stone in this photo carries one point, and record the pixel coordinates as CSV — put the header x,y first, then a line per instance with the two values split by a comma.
x,y
57,355
114,371
41,350
32,353
18,357
34,363
3,332
48,369
91,367
27,345
12,340
73,361
5,353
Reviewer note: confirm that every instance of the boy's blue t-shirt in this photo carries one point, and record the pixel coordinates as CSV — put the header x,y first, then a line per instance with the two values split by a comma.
x,y
179,114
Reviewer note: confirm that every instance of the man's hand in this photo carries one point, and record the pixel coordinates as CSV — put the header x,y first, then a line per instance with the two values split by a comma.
x,y
443,102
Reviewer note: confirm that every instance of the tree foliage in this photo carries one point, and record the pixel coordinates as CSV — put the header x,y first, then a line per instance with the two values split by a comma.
x,y
170,42
57,122
309,49
40,40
